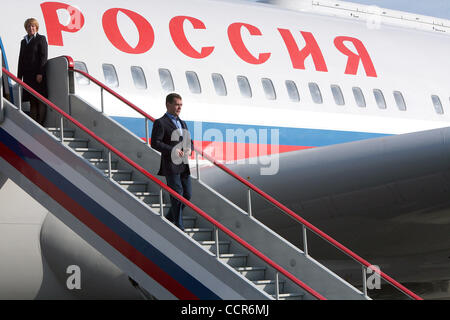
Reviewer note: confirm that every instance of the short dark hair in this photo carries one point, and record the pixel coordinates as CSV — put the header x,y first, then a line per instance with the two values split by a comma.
x,y
170,97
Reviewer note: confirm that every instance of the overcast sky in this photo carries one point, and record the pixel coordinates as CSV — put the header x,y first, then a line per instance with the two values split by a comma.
x,y
435,8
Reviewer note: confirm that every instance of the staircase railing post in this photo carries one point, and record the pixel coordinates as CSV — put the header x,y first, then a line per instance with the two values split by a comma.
x,y
197,165
19,98
161,207
61,125
146,132
216,238
277,286
109,165
305,240
249,201
364,275
102,100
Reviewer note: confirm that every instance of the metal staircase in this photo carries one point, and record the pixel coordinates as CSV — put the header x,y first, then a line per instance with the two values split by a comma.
x,y
195,227
224,253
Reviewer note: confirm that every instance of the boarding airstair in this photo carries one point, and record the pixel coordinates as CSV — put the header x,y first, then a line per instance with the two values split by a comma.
x,y
96,177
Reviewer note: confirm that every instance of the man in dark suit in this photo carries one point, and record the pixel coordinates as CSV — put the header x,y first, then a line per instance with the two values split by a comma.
x,y
31,67
171,137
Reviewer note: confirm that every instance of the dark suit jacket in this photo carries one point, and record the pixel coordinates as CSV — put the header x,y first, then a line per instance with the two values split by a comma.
x,y
32,60
161,141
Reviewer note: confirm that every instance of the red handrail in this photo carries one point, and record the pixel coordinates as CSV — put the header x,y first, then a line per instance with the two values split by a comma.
x,y
269,198
169,190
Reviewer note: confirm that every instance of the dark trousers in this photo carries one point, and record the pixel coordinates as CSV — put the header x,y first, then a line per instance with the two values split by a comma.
x,y
181,183
38,110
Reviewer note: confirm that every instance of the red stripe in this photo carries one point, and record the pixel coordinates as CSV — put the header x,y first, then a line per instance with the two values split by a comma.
x,y
233,151
153,270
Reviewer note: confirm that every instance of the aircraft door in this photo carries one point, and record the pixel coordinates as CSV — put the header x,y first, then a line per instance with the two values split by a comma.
x,y
6,87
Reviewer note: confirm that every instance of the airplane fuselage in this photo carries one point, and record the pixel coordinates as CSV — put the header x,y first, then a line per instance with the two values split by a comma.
x,y
254,75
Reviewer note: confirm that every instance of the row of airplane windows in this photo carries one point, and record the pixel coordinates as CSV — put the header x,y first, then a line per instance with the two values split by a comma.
x,y
245,89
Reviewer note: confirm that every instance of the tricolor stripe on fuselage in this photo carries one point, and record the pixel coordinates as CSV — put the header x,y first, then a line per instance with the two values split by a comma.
x,y
290,139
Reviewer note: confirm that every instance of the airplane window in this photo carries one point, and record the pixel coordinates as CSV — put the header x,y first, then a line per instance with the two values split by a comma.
x,y
315,92
166,80
379,98
138,77
337,95
292,91
437,104
400,100
80,78
109,72
193,82
244,86
219,84
359,97
269,90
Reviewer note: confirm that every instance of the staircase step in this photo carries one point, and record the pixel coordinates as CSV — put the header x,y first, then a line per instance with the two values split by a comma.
x,y
146,194
89,152
119,174
252,273
133,186
102,164
199,233
269,286
147,197
189,222
234,259
158,205
69,133
165,209
210,245
76,142
290,296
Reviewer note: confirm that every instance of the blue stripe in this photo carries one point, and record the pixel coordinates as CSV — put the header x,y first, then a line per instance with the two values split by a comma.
x,y
287,136
153,254
5,61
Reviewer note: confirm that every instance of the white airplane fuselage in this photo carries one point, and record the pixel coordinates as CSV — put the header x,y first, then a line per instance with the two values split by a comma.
x,y
255,41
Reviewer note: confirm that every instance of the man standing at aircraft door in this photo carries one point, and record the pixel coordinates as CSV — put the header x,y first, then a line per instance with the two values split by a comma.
x,y
171,137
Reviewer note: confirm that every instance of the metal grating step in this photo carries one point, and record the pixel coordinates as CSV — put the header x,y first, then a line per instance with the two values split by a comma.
x,y
118,174
69,133
269,286
189,222
234,259
103,163
133,186
290,296
76,142
147,197
224,246
89,152
252,273
199,233
158,205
